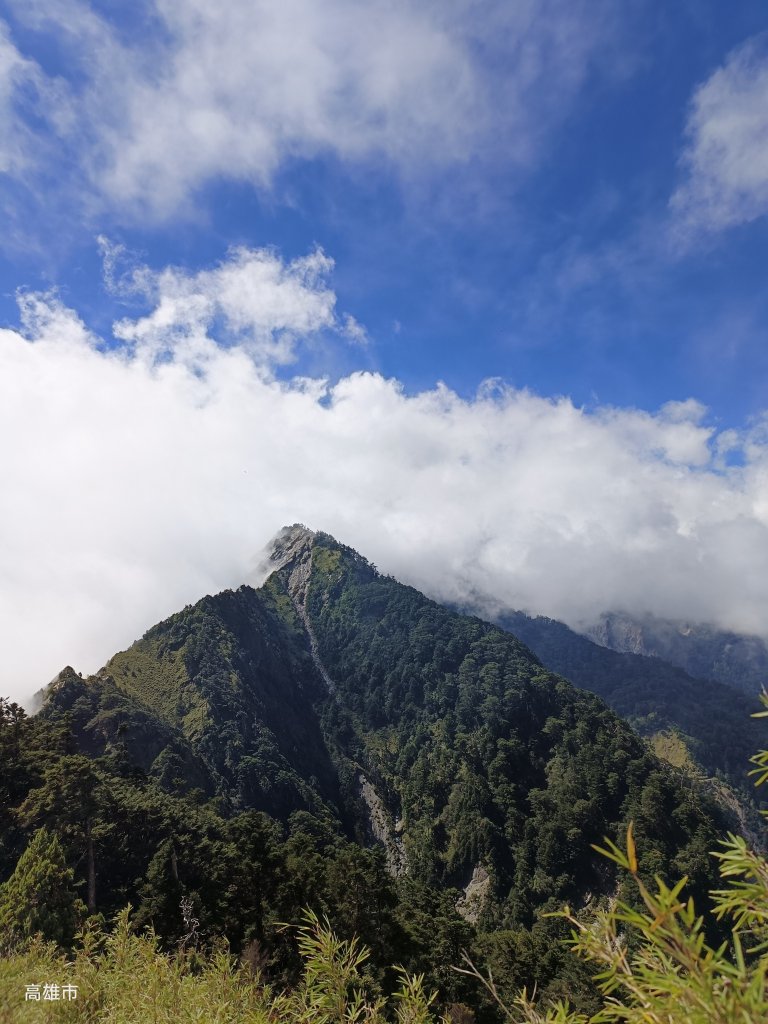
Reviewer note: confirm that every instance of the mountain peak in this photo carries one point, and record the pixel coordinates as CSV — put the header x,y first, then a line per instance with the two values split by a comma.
x,y
289,545
290,554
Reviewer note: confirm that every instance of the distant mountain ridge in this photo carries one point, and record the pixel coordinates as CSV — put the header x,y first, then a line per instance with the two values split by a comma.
x,y
704,651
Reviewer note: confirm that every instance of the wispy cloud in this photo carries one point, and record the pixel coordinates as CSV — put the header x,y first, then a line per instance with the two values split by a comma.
x,y
236,92
27,97
137,476
725,160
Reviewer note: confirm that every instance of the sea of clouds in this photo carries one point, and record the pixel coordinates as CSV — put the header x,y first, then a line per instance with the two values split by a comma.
x,y
144,470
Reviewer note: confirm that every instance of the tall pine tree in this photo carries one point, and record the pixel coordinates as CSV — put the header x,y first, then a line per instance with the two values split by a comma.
x,y
40,897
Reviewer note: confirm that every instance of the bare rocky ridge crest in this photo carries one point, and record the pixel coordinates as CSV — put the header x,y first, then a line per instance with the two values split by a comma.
x,y
291,557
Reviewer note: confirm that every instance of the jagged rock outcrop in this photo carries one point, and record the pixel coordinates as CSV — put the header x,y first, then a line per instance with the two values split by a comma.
x,y
382,828
291,557
475,893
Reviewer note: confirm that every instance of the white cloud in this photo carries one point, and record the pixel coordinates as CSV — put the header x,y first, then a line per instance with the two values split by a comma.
x,y
135,479
256,300
725,161
237,91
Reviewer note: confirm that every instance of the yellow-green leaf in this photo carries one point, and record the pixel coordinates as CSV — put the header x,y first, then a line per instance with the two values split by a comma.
x,y
631,851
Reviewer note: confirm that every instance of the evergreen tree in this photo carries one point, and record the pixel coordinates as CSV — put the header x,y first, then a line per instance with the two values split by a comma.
x,y
40,897
72,798
161,893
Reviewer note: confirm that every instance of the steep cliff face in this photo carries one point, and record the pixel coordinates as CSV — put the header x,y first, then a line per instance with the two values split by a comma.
x,y
291,560
339,692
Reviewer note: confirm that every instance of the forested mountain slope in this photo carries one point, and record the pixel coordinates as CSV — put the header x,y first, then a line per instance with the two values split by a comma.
x,y
488,760
700,720
337,739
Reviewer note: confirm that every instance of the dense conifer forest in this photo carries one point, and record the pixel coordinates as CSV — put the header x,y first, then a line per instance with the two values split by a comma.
x,y
702,723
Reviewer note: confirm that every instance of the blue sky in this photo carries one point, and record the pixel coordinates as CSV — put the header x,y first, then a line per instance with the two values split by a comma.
x,y
566,199
536,252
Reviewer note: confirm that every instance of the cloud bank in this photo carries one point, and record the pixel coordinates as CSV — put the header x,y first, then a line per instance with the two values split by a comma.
x,y
142,471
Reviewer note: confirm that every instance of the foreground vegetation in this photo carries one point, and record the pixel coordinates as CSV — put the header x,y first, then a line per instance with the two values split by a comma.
x,y
124,978
655,967
654,963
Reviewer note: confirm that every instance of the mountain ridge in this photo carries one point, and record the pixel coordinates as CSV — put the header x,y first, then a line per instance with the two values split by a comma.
x,y
337,691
